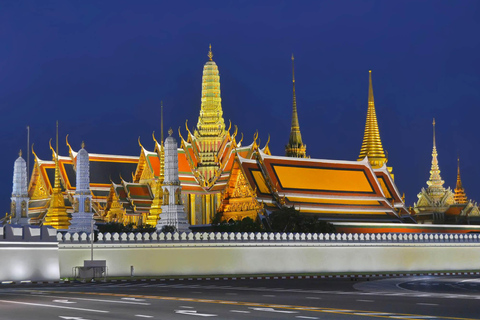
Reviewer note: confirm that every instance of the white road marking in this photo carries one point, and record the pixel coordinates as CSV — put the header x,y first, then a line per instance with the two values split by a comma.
x,y
195,313
272,310
305,317
63,301
96,300
53,306
186,307
72,318
239,311
427,304
315,298
371,314
134,299
366,300
143,316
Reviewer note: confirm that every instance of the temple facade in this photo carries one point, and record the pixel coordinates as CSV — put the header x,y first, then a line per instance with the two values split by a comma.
x,y
437,204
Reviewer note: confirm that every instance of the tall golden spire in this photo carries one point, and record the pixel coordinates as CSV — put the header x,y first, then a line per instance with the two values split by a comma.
x,y
210,122
57,215
435,183
460,196
295,147
156,208
372,144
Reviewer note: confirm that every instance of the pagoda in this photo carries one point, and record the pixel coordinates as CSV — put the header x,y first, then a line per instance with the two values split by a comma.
x,y
372,144
57,215
295,147
433,201
460,197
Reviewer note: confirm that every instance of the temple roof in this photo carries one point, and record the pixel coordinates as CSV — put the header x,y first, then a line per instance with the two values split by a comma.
x,y
330,188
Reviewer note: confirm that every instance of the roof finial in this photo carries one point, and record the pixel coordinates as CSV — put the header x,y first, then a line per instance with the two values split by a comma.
x,y
210,53
293,69
161,120
83,145
20,153
170,132
434,144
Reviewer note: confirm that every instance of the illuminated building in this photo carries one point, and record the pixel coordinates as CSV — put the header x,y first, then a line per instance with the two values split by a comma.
x,y
436,204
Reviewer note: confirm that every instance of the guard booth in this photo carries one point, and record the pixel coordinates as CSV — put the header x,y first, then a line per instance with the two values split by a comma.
x,y
91,269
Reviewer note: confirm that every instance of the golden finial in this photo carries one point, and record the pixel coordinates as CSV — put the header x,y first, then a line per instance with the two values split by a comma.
x,y
83,145
434,143
20,153
170,132
210,53
139,143
293,69
161,124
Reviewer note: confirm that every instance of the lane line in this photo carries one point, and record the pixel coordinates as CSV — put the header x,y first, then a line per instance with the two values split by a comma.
x,y
53,306
270,306
314,298
239,311
143,316
305,317
86,299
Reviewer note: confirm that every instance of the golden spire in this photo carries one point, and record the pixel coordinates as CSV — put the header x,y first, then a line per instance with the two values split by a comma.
x,y
210,122
210,53
20,153
460,196
83,145
372,144
435,183
156,208
295,147
57,215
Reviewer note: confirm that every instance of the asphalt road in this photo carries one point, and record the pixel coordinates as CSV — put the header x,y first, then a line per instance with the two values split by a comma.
x,y
394,298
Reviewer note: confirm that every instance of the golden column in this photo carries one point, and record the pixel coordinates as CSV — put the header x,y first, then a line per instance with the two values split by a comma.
x,y
295,147
57,215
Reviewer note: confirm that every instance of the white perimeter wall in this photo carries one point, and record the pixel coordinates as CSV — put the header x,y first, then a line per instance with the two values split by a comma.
x,y
217,253
28,253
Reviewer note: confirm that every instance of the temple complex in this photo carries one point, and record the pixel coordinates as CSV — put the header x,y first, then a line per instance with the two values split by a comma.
x,y
437,204
211,173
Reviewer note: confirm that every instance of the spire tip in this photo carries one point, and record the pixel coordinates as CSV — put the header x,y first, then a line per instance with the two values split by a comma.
x,y
210,53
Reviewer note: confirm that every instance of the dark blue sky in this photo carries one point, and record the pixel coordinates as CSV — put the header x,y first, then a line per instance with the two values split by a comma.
x,y
102,67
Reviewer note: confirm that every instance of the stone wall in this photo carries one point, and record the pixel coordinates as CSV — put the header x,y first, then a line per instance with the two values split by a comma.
x,y
28,253
190,254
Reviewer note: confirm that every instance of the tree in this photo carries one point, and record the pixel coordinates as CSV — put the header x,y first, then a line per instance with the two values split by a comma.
x,y
244,225
288,219
170,229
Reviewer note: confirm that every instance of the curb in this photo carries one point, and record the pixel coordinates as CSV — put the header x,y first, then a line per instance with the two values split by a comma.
x,y
352,277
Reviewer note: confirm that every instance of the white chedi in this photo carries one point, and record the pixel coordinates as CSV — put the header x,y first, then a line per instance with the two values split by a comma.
x,y
19,199
173,213
82,216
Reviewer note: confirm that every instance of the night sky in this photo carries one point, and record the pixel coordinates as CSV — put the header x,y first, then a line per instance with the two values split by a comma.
x,y
101,69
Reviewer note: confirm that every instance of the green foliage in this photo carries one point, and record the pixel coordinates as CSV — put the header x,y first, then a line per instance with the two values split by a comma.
x,y
119,227
245,225
288,219
170,229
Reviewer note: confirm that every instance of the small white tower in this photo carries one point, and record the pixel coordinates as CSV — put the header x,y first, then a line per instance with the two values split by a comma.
x,y
82,216
173,213
19,205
